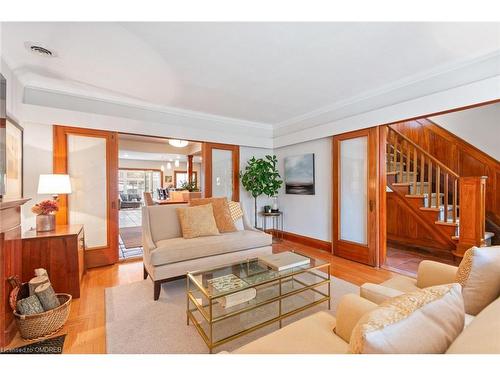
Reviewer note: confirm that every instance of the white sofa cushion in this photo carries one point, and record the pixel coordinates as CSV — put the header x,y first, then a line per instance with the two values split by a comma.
x,y
178,249
402,283
432,318
479,275
310,335
482,335
162,221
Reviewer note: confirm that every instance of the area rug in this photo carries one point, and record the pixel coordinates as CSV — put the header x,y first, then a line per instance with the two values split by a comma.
x,y
131,237
135,323
54,345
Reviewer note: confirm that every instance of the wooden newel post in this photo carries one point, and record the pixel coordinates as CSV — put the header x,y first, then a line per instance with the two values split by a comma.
x,y
472,195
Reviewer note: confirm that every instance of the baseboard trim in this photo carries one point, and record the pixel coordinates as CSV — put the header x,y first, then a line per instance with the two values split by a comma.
x,y
304,240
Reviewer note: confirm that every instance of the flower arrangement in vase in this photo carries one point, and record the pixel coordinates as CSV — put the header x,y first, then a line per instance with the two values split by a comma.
x,y
45,215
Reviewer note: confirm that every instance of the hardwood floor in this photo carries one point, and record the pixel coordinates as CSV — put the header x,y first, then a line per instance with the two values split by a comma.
x,y
86,326
406,260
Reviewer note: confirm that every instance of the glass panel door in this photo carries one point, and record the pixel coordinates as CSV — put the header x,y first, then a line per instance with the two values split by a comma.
x,y
90,157
220,170
353,190
222,173
355,179
88,204
134,183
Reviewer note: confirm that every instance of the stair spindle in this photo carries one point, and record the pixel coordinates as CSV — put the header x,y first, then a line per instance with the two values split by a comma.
x,y
438,187
422,173
400,177
395,157
408,159
414,171
454,213
446,197
429,190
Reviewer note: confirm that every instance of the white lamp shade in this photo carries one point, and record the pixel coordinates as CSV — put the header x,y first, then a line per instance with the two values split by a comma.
x,y
54,184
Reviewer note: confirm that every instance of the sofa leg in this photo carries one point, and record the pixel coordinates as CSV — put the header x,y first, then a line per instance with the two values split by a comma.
x,y
145,273
157,290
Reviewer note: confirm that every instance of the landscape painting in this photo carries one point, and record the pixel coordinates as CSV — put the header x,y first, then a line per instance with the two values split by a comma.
x,y
299,174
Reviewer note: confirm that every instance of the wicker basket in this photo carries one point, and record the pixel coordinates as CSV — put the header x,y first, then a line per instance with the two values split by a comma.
x,y
37,326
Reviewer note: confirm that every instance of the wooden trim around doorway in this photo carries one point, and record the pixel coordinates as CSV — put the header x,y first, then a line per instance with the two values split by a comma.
x,y
206,151
108,254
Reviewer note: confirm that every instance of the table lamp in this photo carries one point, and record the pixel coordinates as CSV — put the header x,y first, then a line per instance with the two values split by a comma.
x,y
54,184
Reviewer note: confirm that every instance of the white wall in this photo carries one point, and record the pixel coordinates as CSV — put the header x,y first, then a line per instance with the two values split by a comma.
x,y
309,215
479,126
37,160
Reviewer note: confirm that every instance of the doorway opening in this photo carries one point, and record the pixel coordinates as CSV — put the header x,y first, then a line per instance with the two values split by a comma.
x,y
152,170
440,188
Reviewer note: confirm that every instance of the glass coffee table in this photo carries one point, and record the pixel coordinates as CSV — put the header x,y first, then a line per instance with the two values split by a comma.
x,y
272,296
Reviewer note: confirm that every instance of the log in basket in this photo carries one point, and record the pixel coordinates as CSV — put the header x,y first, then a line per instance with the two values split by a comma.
x,y
37,326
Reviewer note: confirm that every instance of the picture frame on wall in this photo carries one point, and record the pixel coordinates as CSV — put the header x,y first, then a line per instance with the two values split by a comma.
x,y
299,174
13,159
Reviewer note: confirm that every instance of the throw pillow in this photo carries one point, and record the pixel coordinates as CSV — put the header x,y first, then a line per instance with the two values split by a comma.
x,y
426,321
197,221
222,214
479,275
236,214
235,210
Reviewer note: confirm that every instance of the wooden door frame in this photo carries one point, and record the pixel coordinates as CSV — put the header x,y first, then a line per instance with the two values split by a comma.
x,y
373,135
102,255
206,151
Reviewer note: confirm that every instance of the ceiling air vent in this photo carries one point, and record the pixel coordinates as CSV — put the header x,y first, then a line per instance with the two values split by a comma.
x,y
38,50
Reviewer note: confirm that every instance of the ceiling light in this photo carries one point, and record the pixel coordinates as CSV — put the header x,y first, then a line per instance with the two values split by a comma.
x,y
177,163
177,143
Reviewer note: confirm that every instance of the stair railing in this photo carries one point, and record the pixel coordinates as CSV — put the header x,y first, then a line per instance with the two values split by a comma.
x,y
419,169
416,167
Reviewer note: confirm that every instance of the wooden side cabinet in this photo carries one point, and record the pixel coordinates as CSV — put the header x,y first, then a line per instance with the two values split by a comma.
x,y
60,252
10,262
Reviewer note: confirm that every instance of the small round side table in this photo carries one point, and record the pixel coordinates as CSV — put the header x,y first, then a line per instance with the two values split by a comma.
x,y
277,224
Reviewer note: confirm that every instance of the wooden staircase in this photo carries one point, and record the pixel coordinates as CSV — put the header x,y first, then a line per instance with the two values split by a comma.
x,y
452,206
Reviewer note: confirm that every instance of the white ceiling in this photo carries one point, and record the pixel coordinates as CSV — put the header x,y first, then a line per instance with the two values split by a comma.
x,y
261,72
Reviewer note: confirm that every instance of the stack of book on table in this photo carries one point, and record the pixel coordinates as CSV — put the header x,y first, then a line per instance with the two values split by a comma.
x,y
284,261
228,283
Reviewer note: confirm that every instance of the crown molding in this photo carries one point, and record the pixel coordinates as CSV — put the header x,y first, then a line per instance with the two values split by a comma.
x,y
167,110
442,77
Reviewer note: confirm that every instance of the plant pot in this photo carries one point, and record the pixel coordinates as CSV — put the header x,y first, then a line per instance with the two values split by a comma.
x,y
45,223
274,205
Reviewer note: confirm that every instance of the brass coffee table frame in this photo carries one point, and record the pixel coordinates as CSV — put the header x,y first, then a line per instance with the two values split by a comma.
x,y
211,320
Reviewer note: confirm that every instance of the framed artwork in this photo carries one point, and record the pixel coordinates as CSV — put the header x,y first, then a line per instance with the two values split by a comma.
x,y
168,179
13,159
299,174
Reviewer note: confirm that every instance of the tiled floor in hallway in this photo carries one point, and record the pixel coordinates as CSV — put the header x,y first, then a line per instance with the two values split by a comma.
x,y
129,218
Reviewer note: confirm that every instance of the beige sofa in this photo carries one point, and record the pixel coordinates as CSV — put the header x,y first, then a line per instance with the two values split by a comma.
x,y
314,334
168,255
322,333
429,273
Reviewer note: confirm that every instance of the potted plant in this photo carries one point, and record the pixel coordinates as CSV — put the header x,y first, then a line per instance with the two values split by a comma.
x,y
192,191
46,218
261,177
